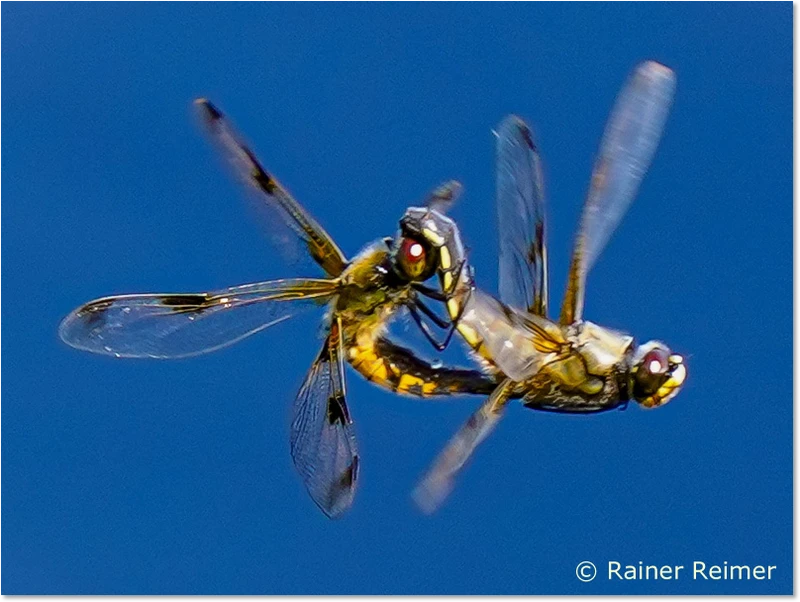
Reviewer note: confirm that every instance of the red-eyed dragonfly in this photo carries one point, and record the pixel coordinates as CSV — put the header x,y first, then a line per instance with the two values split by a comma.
x,y
361,295
572,365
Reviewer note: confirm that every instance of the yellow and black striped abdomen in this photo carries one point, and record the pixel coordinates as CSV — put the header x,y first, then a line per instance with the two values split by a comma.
x,y
400,370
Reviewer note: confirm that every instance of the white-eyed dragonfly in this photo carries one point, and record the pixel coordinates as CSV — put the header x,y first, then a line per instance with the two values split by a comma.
x,y
569,366
360,295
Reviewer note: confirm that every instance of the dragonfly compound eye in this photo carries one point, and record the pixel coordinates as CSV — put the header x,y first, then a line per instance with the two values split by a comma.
x,y
656,362
415,259
659,376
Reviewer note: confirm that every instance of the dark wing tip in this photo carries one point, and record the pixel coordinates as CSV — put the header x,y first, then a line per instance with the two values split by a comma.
x,y
515,123
207,110
339,498
512,120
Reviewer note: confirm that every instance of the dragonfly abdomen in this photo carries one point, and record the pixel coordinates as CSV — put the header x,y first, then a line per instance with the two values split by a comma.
x,y
397,368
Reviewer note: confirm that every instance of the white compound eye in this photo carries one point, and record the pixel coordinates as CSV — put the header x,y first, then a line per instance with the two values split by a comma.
x,y
412,251
415,252
656,361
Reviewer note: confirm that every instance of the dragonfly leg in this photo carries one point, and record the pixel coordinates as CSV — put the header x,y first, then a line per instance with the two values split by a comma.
x,y
416,305
439,321
451,326
412,308
429,292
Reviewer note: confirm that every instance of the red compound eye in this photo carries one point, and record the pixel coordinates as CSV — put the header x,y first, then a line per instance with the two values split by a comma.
x,y
656,361
413,251
414,259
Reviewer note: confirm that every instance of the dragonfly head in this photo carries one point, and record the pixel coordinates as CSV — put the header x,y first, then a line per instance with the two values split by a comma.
x,y
657,374
414,257
446,252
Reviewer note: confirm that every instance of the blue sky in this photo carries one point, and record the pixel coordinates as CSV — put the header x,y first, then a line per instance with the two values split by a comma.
x,y
175,477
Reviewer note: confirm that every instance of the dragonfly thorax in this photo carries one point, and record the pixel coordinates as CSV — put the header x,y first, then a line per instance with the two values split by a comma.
x,y
603,350
589,374
368,287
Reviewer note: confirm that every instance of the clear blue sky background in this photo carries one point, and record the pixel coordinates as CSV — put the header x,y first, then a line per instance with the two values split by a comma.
x,y
148,477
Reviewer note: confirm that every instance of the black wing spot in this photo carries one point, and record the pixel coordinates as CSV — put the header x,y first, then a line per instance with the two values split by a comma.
x,y
336,412
185,303
349,475
472,423
259,174
533,252
526,135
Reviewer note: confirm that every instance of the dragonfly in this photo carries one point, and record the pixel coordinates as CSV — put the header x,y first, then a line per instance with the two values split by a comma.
x,y
570,365
360,295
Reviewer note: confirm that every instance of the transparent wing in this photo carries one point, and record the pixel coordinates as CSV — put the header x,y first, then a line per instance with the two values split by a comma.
x,y
521,218
319,244
182,325
443,197
322,441
437,484
518,343
626,150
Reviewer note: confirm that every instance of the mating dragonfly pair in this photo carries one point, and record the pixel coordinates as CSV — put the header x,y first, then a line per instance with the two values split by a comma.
x,y
569,365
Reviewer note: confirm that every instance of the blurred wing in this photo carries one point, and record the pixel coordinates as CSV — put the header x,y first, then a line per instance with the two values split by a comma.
x,y
319,244
626,150
443,197
521,218
437,484
323,443
182,325
518,343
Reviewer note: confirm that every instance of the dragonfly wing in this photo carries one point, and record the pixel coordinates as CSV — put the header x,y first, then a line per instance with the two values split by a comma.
x,y
437,484
182,325
521,218
519,344
323,442
626,150
320,245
